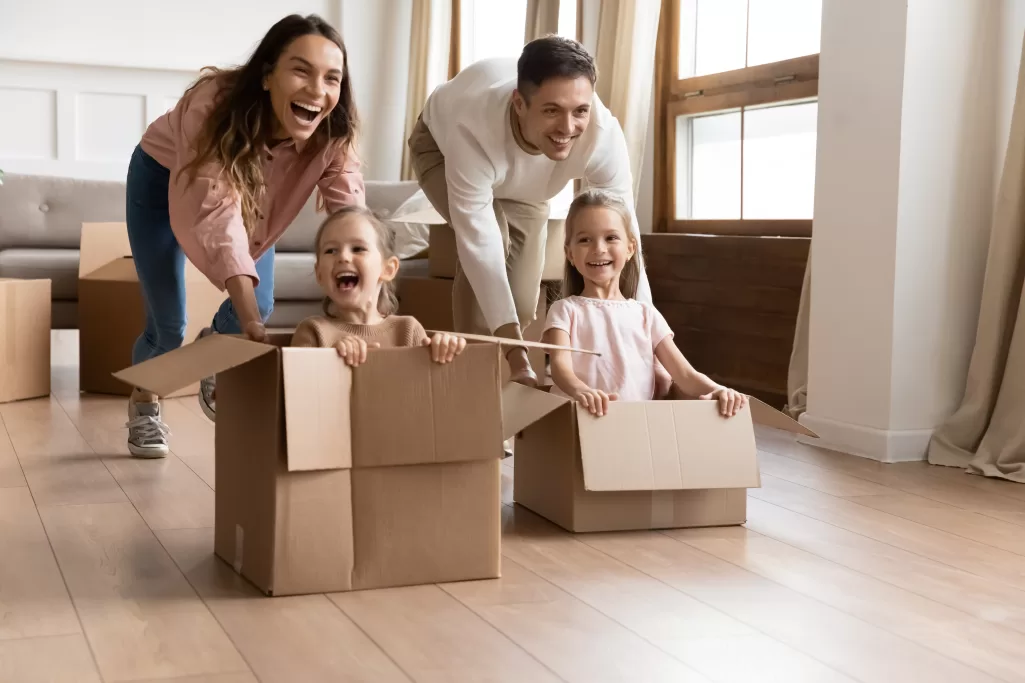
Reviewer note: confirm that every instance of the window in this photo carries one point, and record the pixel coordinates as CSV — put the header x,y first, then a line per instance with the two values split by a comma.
x,y
496,28
737,93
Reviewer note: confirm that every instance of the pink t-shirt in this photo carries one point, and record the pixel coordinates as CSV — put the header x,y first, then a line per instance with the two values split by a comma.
x,y
626,333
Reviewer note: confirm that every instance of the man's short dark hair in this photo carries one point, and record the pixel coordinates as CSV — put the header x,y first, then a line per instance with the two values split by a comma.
x,y
552,56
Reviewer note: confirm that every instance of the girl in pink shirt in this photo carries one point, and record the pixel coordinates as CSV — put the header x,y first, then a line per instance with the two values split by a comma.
x,y
219,178
598,312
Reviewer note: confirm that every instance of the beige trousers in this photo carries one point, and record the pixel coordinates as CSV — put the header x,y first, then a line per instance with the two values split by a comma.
x,y
524,227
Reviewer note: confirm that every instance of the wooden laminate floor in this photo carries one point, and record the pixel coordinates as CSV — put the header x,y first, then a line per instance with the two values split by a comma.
x,y
848,570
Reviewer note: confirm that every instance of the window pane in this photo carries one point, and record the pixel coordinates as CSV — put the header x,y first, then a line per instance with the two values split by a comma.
x,y
783,29
779,161
567,19
492,29
709,186
712,36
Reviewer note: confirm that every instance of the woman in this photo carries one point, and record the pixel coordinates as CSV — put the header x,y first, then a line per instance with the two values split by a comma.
x,y
220,177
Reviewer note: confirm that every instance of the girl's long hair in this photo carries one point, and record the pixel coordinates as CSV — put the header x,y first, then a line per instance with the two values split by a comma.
x,y
629,279
387,300
241,123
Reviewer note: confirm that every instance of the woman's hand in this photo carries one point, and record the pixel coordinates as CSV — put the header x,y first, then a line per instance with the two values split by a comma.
x,y
445,347
730,400
255,331
596,402
354,350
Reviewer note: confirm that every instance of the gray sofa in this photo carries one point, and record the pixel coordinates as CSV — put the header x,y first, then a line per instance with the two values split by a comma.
x,y
41,219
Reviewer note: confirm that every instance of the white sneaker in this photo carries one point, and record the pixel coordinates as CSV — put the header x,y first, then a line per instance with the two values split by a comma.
x,y
207,388
147,434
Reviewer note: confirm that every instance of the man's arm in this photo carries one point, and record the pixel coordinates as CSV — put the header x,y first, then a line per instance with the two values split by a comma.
x,y
470,176
609,169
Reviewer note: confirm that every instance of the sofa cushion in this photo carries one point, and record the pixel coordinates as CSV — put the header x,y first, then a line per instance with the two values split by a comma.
x,y
48,212
60,266
294,279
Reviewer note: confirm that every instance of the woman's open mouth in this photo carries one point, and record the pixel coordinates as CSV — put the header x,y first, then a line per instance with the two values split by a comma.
x,y
305,113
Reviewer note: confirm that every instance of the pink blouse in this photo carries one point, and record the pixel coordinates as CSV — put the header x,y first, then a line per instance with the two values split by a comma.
x,y
206,216
626,333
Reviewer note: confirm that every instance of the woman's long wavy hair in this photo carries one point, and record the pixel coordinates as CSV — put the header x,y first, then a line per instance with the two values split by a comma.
x,y
629,279
241,123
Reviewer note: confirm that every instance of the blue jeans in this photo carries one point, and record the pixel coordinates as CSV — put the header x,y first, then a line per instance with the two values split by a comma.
x,y
160,263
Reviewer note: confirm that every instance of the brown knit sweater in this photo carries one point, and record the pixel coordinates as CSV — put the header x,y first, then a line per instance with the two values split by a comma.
x,y
321,331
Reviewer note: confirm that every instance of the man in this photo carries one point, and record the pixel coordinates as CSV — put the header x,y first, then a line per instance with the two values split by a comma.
x,y
490,149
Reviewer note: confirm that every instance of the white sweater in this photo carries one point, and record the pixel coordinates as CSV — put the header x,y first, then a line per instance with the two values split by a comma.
x,y
469,119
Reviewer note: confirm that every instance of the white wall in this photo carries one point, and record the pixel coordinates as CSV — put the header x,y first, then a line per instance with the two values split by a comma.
x,y
79,82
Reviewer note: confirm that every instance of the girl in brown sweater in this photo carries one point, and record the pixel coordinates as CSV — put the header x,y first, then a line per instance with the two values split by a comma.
x,y
356,267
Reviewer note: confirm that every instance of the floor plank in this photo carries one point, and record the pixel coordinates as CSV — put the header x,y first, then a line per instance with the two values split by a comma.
x,y
55,659
434,637
213,678
817,478
849,645
572,639
33,598
139,613
10,469
167,493
918,479
955,551
973,642
673,621
192,437
285,639
993,601
971,525
59,465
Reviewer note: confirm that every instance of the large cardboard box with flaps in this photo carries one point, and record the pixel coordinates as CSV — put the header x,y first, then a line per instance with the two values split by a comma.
x,y
643,465
111,313
335,479
24,339
443,259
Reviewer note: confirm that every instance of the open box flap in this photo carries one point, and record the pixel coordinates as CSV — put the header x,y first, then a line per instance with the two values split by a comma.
x,y
100,244
318,428
766,415
667,445
523,406
190,363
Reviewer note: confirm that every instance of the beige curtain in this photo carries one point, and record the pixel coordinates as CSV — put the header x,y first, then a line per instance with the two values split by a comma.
x,y
986,434
419,66
797,377
542,19
625,56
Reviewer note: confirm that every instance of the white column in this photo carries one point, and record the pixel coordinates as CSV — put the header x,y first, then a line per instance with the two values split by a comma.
x,y
904,194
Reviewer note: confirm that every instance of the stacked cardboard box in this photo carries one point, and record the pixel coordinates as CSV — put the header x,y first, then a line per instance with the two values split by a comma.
x,y
425,289
24,339
111,314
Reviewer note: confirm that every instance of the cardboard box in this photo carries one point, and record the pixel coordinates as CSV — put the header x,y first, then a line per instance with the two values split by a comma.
x,y
335,479
644,465
442,257
24,339
429,300
111,314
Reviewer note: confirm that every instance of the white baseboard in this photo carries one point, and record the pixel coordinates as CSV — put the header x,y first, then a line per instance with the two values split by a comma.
x,y
884,445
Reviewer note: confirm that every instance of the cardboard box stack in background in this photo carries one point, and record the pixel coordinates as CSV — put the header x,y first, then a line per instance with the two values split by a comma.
x,y
24,339
643,465
111,315
333,479
425,290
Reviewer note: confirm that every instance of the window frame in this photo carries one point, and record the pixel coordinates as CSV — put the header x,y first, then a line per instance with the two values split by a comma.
x,y
790,80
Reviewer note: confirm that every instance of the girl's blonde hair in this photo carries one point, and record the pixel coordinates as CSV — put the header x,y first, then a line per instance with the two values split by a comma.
x,y
240,126
388,300
629,279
